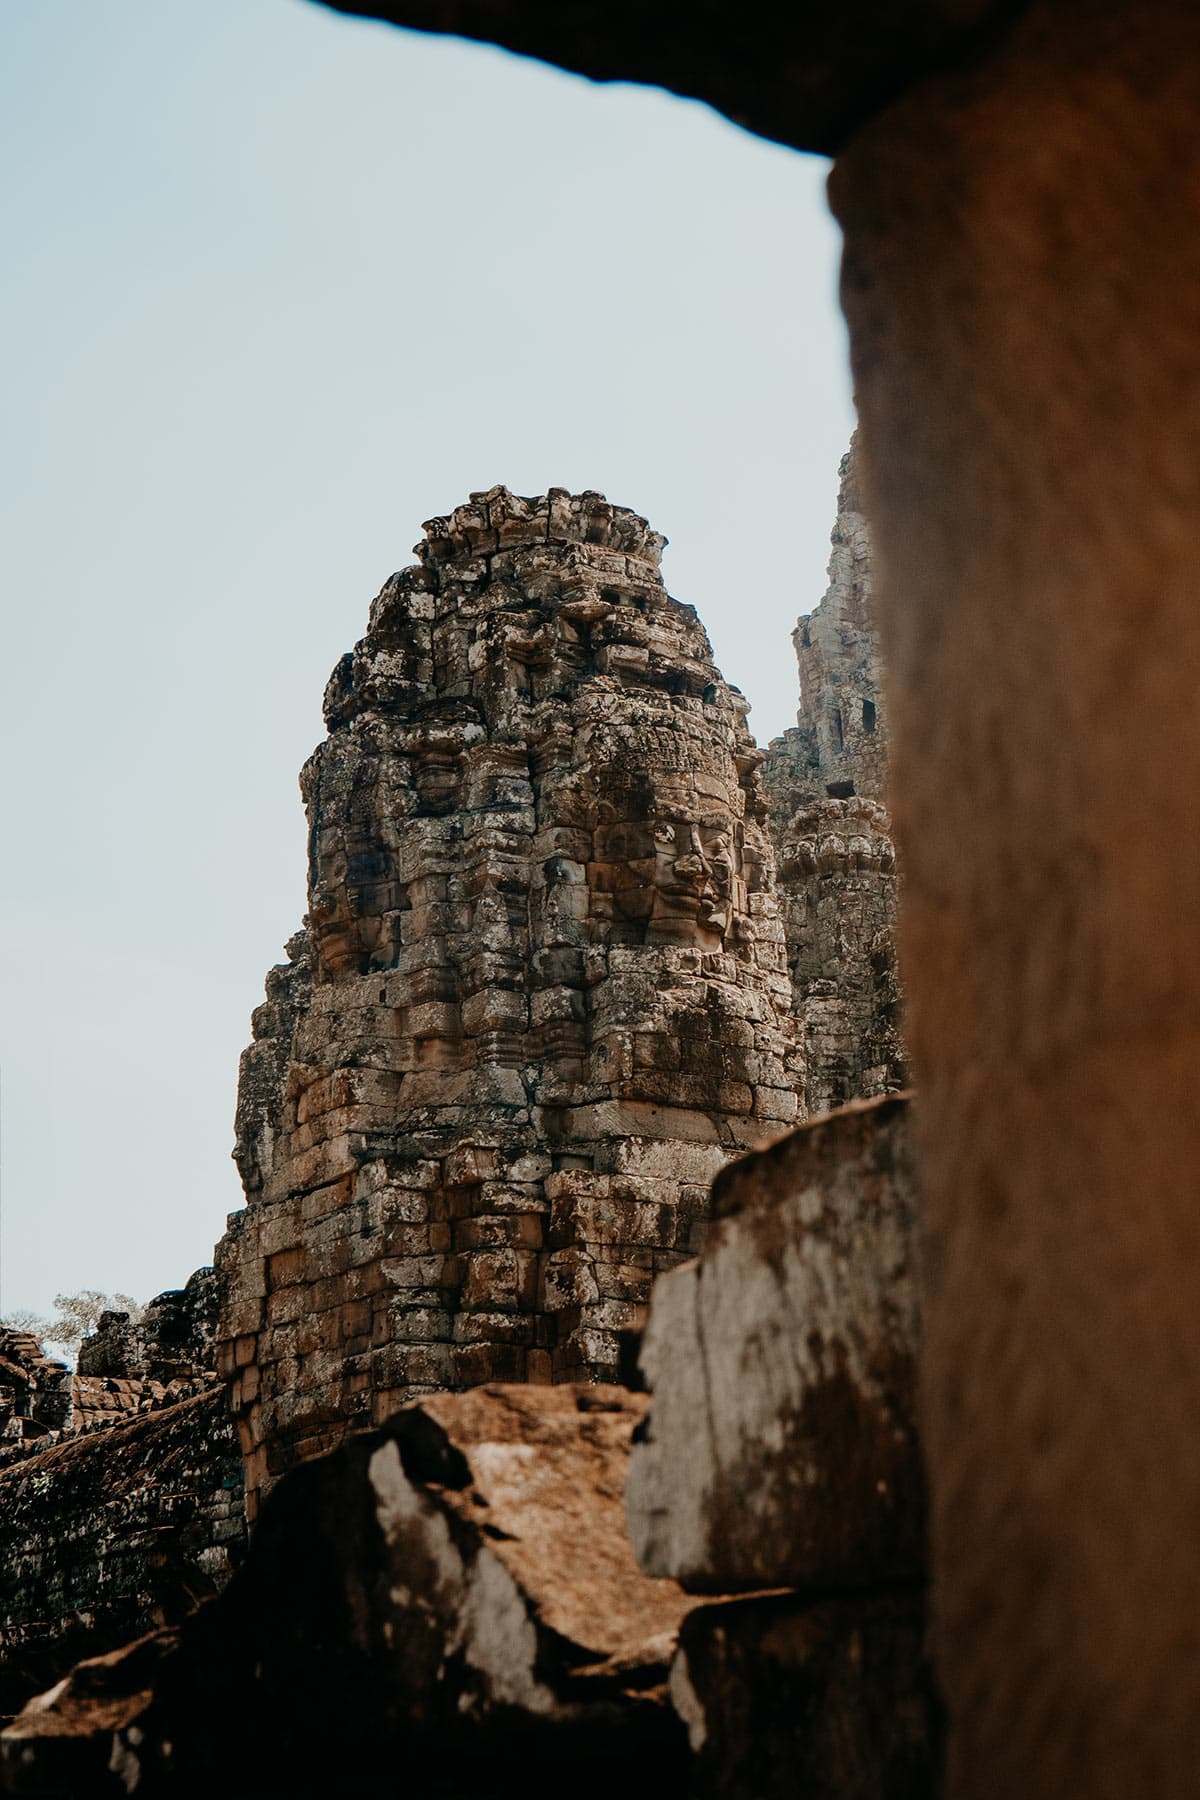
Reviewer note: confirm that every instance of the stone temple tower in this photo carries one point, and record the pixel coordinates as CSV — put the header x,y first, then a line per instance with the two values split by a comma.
x,y
540,997
826,780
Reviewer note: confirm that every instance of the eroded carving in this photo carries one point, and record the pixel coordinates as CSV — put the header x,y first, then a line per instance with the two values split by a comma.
x,y
542,993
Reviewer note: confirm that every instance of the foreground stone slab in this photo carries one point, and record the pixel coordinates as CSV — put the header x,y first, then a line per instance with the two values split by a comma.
x,y
781,1449
460,1584
831,1701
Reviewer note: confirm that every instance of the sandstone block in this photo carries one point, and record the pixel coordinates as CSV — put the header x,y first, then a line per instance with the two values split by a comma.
x,y
569,1279
413,1271
782,1447
776,1103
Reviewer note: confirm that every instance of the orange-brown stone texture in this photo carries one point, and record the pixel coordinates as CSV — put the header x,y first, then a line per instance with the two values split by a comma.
x,y
540,998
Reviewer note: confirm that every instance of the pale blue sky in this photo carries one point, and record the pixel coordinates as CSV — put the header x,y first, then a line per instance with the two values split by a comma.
x,y
279,285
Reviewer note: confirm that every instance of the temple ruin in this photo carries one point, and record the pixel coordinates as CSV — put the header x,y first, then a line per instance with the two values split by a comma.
x,y
540,998
1013,182
124,1368
541,1042
826,781
121,1495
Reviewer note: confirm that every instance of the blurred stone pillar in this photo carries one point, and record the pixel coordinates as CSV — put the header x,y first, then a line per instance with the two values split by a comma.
x,y
1022,275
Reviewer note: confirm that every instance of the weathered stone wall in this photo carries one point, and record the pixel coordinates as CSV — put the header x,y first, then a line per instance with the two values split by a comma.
x,y
540,998
841,736
35,1393
124,1368
826,781
171,1342
109,1534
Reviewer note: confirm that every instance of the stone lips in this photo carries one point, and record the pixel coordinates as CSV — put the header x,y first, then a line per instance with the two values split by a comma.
x,y
541,995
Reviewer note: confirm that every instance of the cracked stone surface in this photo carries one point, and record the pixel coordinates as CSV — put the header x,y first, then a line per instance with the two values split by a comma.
x,y
541,996
781,1448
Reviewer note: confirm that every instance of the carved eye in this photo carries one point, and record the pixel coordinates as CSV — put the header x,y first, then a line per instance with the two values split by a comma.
x,y
664,834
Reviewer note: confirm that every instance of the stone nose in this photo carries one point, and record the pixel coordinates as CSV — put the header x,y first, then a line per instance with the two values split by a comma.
x,y
691,864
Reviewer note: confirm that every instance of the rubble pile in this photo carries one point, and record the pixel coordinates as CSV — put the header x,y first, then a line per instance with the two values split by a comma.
x,y
457,1589
121,1489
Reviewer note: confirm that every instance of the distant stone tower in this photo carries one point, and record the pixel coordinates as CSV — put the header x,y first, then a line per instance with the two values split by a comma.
x,y
541,995
826,783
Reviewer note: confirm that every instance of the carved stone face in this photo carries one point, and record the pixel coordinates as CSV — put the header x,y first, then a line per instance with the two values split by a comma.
x,y
695,868
672,864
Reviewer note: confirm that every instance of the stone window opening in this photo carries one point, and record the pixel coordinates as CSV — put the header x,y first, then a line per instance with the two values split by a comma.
x,y
868,715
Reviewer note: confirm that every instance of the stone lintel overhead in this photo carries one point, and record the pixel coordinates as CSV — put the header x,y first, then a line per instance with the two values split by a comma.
x,y
804,75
